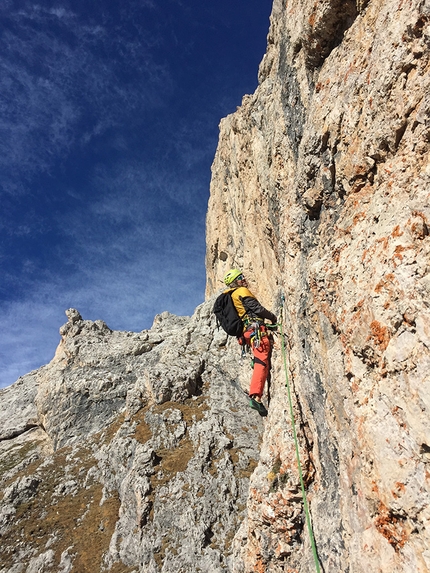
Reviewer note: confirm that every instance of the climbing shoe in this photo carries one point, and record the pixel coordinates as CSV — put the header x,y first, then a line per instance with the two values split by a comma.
x,y
258,406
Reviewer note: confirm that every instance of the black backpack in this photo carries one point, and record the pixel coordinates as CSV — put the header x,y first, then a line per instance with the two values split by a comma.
x,y
226,315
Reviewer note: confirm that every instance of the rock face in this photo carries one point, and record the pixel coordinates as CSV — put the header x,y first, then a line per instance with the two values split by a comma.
x,y
128,452
320,193
137,452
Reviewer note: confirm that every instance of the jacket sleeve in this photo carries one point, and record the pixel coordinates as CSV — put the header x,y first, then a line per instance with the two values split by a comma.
x,y
254,308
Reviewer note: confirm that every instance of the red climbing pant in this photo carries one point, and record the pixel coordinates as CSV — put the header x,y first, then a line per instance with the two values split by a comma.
x,y
261,360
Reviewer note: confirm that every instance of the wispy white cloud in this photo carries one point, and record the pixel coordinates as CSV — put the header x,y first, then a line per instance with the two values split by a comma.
x,y
64,80
30,336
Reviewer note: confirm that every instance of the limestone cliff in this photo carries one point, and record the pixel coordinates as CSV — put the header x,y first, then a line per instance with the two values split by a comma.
x,y
138,453
320,192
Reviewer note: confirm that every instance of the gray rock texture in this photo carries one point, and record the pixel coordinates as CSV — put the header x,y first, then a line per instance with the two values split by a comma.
x,y
19,399
129,451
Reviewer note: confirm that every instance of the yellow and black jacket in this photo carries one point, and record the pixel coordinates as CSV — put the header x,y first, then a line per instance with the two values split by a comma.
x,y
248,307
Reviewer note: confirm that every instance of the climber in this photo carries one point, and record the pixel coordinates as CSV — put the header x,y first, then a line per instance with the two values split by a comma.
x,y
255,334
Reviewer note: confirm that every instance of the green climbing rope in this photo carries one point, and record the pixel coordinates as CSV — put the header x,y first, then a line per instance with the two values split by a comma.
x,y
296,443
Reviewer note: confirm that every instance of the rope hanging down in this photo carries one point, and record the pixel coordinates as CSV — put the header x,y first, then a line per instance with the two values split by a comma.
x,y
296,443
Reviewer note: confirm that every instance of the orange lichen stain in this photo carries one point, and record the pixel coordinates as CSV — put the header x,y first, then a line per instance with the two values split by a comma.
x,y
312,19
384,241
416,229
385,283
352,68
399,490
364,255
360,427
419,230
391,527
336,254
397,232
379,334
398,257
259,566
419,214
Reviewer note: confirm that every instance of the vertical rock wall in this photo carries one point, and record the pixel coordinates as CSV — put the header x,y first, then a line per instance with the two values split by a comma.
x,y
320,192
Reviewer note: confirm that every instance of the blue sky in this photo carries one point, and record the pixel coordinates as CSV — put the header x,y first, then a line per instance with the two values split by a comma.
x,y
109,114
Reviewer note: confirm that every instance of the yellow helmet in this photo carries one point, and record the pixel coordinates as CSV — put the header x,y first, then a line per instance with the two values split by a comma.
x,y
232,276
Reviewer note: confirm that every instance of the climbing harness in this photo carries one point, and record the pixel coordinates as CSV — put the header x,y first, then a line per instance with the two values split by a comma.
x,y
258,331
296,443
255,334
